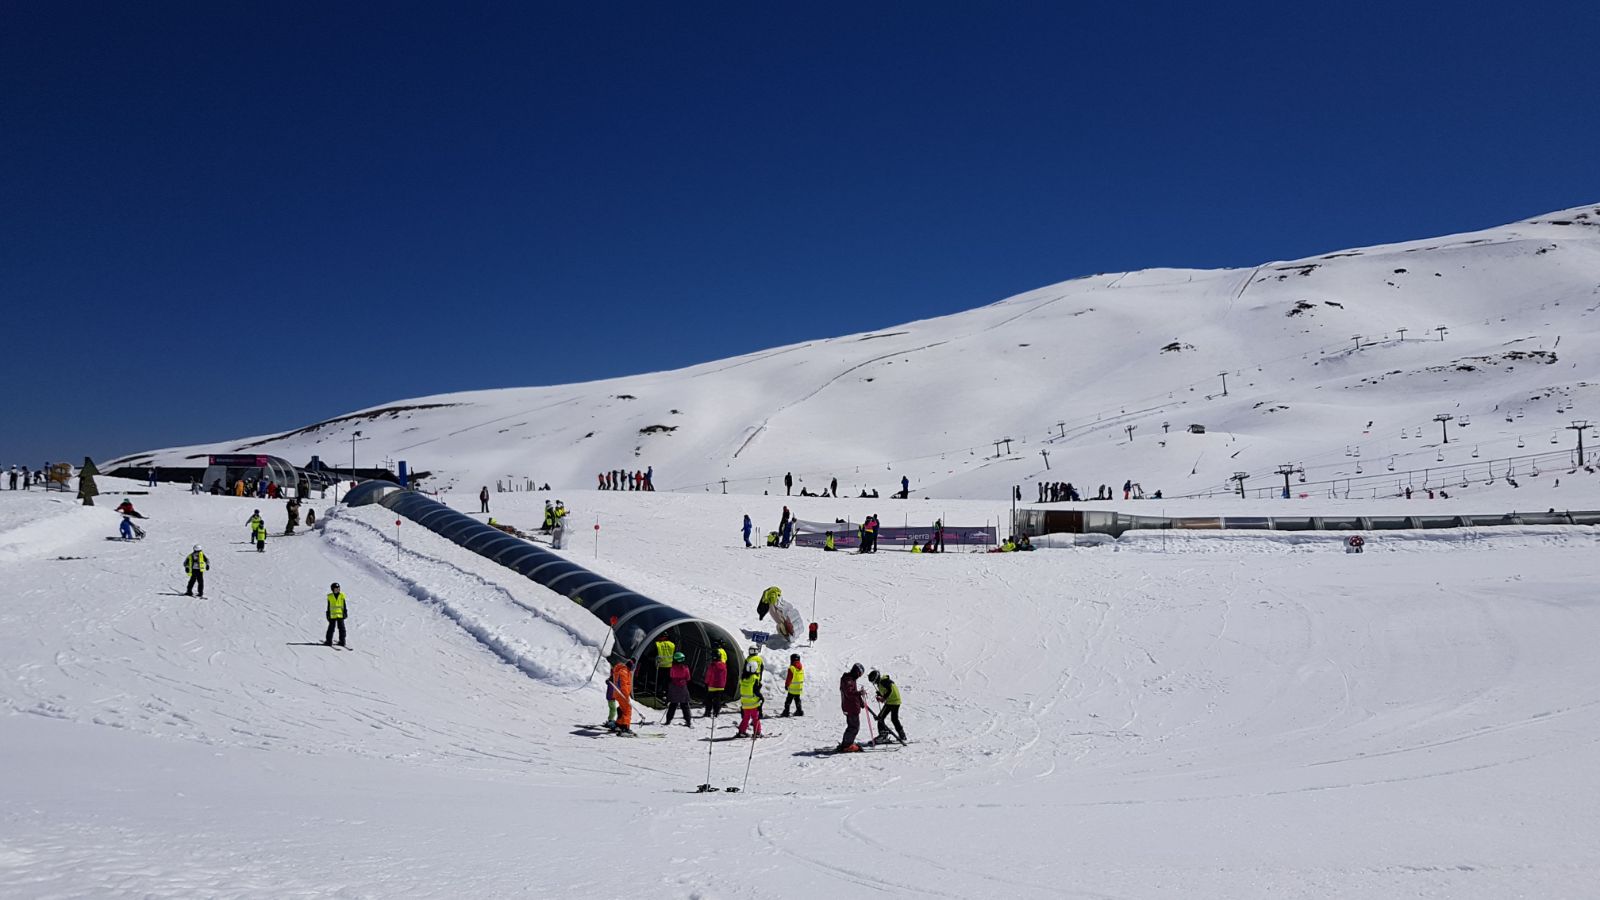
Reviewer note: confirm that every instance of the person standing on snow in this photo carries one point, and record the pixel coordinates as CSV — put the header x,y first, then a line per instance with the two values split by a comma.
x,y
905,487
754,656
851,699
747,527
622,691
888,704
938,535
833,487
678,689
665,651
258,533
794,682
788,483
750,699
195,565
251,523
716,682
338,609
483,499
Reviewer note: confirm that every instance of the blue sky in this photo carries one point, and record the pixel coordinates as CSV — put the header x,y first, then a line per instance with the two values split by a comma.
x,y
228,219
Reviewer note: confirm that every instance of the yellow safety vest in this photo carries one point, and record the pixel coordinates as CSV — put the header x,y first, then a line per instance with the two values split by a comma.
x,y
891,697
195,562
828,542
797,679
664,651
336,605
747,692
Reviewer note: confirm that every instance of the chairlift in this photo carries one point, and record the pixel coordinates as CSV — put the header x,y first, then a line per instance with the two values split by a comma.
x,y
1441,456
1553,438
1391,464
1358,467
1464,421
1404,436
1474,451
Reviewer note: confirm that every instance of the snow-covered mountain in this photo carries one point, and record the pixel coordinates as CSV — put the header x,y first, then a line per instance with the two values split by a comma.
x,y
1337,364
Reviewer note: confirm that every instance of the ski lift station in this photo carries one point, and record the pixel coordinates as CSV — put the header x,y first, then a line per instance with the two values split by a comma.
x,y
636,621
232,467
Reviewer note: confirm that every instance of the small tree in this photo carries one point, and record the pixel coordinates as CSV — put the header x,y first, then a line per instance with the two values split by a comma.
x,y
86,488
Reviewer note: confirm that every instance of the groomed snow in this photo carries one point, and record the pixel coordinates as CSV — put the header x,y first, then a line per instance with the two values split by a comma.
x,y
1210,716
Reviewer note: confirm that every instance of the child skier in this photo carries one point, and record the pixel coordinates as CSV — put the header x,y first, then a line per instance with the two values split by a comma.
x,y
622,690
678,689
888,705
258,532
750,699
794,682
716,682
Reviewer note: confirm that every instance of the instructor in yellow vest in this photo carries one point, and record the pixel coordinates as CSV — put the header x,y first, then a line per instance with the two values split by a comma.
x,y
337,610
664,651
794,682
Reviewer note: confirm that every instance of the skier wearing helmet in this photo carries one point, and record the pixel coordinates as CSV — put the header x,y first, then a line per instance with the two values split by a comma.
x,y
678,689
851,699
754,656
750,699
337,611
716,682
794,683
195,565
621,684
888,705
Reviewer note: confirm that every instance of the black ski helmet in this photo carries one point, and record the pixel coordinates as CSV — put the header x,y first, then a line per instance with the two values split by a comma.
x,y
856,670
873,676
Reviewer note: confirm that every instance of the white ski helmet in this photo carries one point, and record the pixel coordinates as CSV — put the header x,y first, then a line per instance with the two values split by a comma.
x,y
197,548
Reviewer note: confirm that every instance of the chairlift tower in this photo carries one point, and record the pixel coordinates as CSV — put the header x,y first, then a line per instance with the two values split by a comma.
x,y
1240,477
1579,425
1286,470
1444,424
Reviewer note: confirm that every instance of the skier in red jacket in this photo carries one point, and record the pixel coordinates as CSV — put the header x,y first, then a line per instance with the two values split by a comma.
x,y
852,699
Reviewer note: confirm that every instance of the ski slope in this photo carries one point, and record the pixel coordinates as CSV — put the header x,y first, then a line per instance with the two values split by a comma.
x,y
1334,364
1209,716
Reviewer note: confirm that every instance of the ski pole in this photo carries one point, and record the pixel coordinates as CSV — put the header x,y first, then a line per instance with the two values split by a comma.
x,y
871,717
752,759
711,743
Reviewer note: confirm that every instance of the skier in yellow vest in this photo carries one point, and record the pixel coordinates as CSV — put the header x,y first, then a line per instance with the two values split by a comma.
x,y
888,705
195,566
337,610
754,656
750,700
794,682
664,651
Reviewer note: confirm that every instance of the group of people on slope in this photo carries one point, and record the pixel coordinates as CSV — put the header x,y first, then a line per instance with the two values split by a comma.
x,y
195,565
623,480
24,478
673,675
832,489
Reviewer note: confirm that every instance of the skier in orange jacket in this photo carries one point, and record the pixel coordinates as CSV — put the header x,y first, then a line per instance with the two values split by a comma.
x,y
622,692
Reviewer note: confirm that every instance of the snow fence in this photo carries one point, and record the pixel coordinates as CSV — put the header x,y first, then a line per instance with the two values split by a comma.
x,y
636,621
